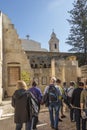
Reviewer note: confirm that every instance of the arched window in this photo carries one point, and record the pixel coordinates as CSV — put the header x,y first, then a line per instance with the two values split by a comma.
x,y
32,65
45,66
35,65
49,66
44,80
55,46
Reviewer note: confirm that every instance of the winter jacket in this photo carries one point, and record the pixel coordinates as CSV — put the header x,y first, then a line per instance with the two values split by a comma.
x,y
75,101
19,102
36,92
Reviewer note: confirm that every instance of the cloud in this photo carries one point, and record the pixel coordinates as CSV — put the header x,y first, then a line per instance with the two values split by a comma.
x,y
54,4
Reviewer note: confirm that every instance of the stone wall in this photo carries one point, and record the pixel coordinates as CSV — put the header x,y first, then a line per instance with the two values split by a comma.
x,y
84,71
13,55
1,58
50,64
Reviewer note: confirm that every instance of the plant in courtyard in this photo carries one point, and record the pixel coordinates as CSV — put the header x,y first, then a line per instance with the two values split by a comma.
x,y
78,32
25,76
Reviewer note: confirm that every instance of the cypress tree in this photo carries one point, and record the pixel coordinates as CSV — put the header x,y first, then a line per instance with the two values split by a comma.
x,y
78,31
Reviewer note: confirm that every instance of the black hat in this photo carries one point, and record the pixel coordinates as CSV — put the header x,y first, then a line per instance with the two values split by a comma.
x,y
81,84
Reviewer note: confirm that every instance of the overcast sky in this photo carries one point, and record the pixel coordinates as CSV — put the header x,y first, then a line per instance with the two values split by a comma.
x,y
37,18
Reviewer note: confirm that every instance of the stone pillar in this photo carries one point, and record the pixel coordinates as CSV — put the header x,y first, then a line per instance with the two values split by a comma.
x,y
53,67
63,73
1,89
0,57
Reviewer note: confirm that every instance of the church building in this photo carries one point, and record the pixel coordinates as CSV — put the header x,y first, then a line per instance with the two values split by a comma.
x,y
26,55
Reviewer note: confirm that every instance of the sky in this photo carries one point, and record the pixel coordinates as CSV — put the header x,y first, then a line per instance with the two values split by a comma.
x,y
38,18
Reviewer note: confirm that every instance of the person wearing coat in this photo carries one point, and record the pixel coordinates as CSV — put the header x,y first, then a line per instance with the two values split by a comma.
x,y
35,93
83,105
19,102
75,101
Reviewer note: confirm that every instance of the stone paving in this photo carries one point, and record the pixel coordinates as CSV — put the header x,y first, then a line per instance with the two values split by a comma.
x,y
7,119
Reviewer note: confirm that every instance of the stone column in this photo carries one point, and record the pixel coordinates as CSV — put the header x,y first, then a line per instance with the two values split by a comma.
x,y
63,73
0,57
53,67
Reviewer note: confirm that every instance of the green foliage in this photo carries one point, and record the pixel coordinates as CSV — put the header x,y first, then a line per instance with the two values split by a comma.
x,y
42,88
25,76
80,58
78,31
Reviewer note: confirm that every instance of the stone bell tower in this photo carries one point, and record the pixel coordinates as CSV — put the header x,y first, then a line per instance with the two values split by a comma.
x,y
53,43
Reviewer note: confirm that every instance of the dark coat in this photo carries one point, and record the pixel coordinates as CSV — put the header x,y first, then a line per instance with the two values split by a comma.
x,y
19,102
75,100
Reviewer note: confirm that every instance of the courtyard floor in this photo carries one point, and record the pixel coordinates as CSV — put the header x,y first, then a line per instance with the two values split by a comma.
x,y
7,119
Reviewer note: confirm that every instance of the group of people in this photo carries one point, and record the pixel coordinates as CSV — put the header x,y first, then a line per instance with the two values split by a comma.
x,y
26,103
55,105
79,105
77,99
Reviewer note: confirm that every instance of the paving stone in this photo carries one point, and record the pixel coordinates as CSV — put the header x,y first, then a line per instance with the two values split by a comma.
x,y
7,119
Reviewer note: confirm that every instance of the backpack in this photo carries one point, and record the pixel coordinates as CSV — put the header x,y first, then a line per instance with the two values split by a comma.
x,y
33,105
52,93
45,99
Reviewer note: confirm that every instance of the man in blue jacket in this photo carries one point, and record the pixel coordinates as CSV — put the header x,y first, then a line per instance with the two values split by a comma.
x,y
35,94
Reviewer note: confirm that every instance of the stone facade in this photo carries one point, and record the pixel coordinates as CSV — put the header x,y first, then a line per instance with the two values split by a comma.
x,y
48,64
14,59
17,55
84,73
